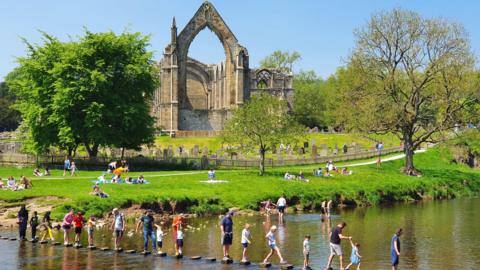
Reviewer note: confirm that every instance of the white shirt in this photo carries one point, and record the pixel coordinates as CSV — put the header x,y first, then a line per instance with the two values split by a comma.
x,y
179,235
159,235
271,238
245,236
281,202
306,245
330,167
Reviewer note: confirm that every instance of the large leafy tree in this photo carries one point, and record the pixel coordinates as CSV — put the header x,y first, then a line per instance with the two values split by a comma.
x,y
9,117
281,60
413,77
260,124
94,91
309,103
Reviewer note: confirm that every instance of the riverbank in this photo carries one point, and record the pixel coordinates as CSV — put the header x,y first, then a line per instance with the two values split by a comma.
x,y
170,192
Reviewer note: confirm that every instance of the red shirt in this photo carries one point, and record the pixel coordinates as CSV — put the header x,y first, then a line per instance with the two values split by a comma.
x,y
78,221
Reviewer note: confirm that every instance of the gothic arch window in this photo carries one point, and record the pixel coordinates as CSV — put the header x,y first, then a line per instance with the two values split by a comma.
x,y
263,79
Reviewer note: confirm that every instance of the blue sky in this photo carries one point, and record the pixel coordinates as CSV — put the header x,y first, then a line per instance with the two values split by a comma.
x,y
320,30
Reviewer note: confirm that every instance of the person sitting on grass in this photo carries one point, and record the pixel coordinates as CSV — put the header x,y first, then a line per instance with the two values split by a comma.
x,y
47,172
102,179
345,171
36,172
211,174
1,184
128,180
141,180
11,183
25,182
98,192
301,177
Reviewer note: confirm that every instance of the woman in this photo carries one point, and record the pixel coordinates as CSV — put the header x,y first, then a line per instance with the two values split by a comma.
x,y
22,222
395,249
67,225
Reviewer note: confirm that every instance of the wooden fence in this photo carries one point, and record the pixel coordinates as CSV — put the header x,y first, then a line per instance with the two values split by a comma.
x,y
161,163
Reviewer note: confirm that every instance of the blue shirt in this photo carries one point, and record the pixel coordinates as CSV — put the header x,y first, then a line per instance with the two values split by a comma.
x,y
227,224
392,247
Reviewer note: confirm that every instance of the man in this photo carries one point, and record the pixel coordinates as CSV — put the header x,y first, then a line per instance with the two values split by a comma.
x,y
226,227
336,237
281,205
66,165
148,232
118,227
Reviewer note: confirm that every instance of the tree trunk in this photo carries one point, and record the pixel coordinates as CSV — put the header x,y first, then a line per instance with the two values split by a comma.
x,y
93,150
409,152
123,152
262,161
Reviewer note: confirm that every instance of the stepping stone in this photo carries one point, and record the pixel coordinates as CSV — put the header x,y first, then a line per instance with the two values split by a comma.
x,y
92,247
179,256
105,249
118,250
265,265
245,263
130,251
56,243
67,245
43,242
13,239
145,253
227,261
195,258
5,238
78,246
161,254
33,240
211,259
286,266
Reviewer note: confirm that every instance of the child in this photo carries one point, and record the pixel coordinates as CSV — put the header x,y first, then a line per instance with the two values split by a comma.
x,y
73,167
180,240
33,225
47,225
90,227
78,221
355,257
160,235
273,247
306,252
245,241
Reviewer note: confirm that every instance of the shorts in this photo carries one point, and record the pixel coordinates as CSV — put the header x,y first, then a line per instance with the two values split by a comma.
x,y
306,254
272,246
78,230
179,242
90,231
66,227
281,209
159,244
66,168
245,245
118,233
336,249
395,259
227,239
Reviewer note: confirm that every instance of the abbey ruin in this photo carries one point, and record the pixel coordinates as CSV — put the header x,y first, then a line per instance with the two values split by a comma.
x,y
199,96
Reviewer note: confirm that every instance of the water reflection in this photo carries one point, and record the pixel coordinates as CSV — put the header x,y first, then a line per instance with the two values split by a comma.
x,y
438,235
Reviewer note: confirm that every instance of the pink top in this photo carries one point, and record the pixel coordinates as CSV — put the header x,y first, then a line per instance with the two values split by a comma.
x,y
68,219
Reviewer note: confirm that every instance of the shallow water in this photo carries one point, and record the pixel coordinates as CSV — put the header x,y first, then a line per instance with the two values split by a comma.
x,y
437,235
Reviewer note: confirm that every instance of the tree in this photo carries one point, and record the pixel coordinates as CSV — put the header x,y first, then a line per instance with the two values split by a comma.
x,y
413,77
95,91
9,117
261,123
309,99
281,60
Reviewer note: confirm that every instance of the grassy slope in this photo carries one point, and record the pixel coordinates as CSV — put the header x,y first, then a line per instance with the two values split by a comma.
x,y
366,186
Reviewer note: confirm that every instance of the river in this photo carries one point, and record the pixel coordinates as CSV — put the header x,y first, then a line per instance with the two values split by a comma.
x,y
437,235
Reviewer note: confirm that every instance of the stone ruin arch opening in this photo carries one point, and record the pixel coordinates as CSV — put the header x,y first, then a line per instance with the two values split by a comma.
x,y
197,96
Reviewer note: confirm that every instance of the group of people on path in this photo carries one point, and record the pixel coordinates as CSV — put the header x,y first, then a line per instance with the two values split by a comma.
x,y
153,233
69,166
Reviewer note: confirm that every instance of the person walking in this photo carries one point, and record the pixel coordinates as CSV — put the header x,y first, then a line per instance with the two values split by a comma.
x,y
147,220
73,168
90,230
176,225
226,227
306,252
78,221
118,227
33,225
329,208
336,237
273,246
355,256
246,236
22,222
67,225
66,165
395,249
47,225
281,205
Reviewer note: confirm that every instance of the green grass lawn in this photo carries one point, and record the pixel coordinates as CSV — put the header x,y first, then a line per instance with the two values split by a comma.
x,y
245,189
